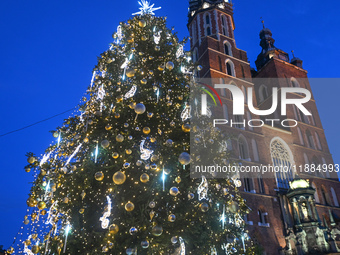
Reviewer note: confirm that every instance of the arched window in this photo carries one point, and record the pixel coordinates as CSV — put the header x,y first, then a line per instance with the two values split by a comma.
x,y
230,68
207,25
244,90
261,184
248,185
310,139
325,196
225,112
227,48
335,198
194,32
243,148
263,221
195,55
282,158
249,118
305,158
263,93
294,83
324,163
207,19
316,195
239,122
318,141
224,25
318,172
300,136
255,150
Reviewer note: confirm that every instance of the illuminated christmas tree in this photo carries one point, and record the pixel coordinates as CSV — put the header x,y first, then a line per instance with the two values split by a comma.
x,y
117,180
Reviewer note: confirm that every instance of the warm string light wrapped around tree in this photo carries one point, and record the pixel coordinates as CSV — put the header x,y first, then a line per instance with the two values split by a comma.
x,y
117,180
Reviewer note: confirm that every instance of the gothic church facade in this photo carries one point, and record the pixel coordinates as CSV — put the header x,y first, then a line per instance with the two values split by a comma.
x,y
291,214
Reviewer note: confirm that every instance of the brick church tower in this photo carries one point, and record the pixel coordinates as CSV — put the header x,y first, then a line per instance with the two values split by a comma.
x,y
295,211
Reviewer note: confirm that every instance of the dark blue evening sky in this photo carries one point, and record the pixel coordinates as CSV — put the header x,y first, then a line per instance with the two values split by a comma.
x,y
49,48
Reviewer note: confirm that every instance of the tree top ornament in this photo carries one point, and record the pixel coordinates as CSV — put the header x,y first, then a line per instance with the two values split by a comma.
x,y
146,8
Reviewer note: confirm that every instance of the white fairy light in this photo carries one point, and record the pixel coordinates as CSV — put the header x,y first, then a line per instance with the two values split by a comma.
x,y
186,113
223,217
157,93
59,139
105,221
163,179
93,76
125,64
146,154
96,154
45,158
67,231
73,154
202,189
51,213
181,241
180,51
131,92
146,8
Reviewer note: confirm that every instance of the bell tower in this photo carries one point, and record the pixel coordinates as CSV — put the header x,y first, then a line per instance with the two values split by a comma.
x,y
211,27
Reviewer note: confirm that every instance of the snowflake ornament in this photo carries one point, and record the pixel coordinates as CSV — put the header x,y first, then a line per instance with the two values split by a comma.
x,y
146,8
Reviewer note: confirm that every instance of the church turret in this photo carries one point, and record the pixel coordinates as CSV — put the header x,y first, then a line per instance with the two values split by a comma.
x,y
269,50
296,61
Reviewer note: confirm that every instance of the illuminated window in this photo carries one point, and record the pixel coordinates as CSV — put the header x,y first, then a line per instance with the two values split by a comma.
x,y
281,157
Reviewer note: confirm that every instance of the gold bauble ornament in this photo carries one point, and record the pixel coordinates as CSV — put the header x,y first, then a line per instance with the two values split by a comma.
x,y
119,178
153,139
10,250
27,169
157,230
186,128
157,48
43,212
130,39
144,38
65,200
204,207
130,72
117,115
31,202
55,134
144,81
119,99
81,211
115,155
174,191
144,178
28,242
99,176
129,206
119,138
41,205
128,151
86,140
105,143
113,229
172,218
146,130
35,249
161,68
154,158
170,65
140,108
108,127
142,23
178,179
31,160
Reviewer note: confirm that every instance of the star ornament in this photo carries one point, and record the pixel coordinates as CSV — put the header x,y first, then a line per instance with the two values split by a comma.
x,y
146,8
